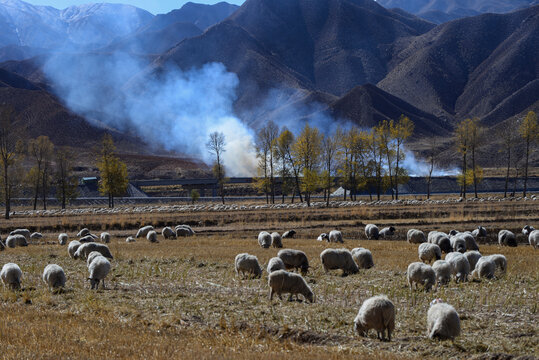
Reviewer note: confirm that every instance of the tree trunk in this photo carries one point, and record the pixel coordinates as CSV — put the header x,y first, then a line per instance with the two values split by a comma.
x,y
515,182
526,167
272,180
63,195
397,173
390,176
36,194
428,187
473,172
7,198
507,173
464,168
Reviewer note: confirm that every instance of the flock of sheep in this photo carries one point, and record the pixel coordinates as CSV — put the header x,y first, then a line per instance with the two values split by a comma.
x,y
462,259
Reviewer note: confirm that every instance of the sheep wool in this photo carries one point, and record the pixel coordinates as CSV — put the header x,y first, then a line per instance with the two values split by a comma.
x,y
294,259
371,232
11,275
264,239
443,321
333,259
429,252
363,258
245,263
54,276
283,282
376,313
419,273
275,264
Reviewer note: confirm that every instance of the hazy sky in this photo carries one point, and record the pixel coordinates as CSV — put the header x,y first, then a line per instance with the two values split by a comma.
x,y
153,6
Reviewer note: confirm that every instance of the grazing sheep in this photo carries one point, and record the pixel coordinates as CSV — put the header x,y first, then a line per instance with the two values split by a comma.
x,y
85,249
36,236
376,313
282,281
83,233
11,276
441,239
479,232
415,236
363,258
23,232
54,276
419,273
323,237
130,239
62,238
442,321
500,261
458,243
73,247
333,259
246,263
459,265
92,256
16,240
275,264
99,269
473,257
87,239
184,230
289,234
335,236
105,237
143,231
507,238
168,233
443,271
469,241
387,232
485,268
429,252
276,240
294,259
526,230
371,232
264,239
151,236
533,238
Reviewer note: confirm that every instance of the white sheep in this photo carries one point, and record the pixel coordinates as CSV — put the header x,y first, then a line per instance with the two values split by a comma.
x,y
284,282
92,256
143,231
36,236
479,232
335,236
289,234
168,233
420,273
323,237
507,238
276,240
152,236
473,257
83,233
16,240
376,313
441,239
264,239
245,263
443,321
415,236
387,232
54,276
469,239
372,232
105,237
24,232
63,238
333,259
526,230
429,252
85,249
443,271
363,258
184,230
500,261
533,238
98,269
11,275
458,243
130,239
459,265
73,247
275,264
294,259
485,268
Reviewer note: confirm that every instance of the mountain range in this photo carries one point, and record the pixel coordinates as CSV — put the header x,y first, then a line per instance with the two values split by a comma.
x,y
296,60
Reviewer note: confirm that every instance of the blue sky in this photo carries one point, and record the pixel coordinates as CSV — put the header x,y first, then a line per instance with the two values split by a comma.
x,y
153,6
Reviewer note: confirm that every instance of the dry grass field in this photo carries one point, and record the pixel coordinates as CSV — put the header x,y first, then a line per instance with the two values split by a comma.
x,y
182,299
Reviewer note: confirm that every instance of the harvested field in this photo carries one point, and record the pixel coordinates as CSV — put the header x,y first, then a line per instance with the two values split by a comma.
x,y
181,298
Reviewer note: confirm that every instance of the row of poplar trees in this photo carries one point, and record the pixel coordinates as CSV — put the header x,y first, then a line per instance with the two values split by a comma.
x,y
49,166
362,160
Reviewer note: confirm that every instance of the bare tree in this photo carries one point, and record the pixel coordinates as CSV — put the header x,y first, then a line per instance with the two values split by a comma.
x,y
41,150
529,131
66,183
216,146
8,154
433,153
329,153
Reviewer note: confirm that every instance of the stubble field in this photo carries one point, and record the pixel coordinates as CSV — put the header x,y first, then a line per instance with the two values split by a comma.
x,y
182,299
